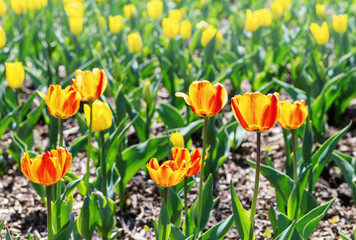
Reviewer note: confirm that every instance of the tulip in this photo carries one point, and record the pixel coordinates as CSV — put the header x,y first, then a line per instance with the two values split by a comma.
x,y
321,34
176,14
284,3
320,11
61,103
265,16
15,74
76,25
252,22
208,34
170,27
146,92
115,23
102,24
177,140
154,8
134,42
3,8
205,99
256,112
191,162
185,29
293,115
90,84
74,9
2,37
19,6
277,10
129,10
102,116
340,23
168,174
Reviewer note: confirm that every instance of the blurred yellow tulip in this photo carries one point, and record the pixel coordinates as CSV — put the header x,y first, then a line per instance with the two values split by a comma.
x,y
102,115
320,11
129,10
134,42
340,23
277,10
177,140
208,34
185,29
74,9
15,74
102,24
284,3
19,6
320,33
76,25
265,16
170,27
115,23
3,8
2,37
154,8
252,22
176,14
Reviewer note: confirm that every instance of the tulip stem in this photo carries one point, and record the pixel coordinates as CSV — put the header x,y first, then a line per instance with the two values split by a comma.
x,y
103,164
186,203
60,144
200,200
49,213
295,164
89,146
257,180
165,194
171,72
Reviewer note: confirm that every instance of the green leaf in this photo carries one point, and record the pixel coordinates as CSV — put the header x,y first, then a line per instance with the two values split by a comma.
x,y
78,145
66,230
87,217
176,233
164,226
170,116
2,224
106,220
292,91
307,142
279,221
7,235
61,213
343,237
175,207
72,177
242,220
219,231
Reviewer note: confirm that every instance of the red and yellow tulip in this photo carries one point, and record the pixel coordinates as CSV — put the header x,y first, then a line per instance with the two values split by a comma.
x,y
293,114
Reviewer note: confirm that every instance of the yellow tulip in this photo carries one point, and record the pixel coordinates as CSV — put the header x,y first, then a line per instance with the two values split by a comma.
x,y
76,25
208,34
102,24
19,6
3,8
154,8
102,116
134,42
340,23
15,74
320,11
90,84
284,3
265,16
252,22
277,10
170,27
2,37
177,140
74,9
146,92
115,23
185,29
320,33
176,14
129,10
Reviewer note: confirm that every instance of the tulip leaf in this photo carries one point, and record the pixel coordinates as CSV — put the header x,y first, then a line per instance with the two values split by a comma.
x,y
292,91
279,221
242,220
176,233
87,217
170,116
79,144
66,230
61,213
7,235
175,207
287,233
106,209
71,177
164,226
219,230
343,237
4,123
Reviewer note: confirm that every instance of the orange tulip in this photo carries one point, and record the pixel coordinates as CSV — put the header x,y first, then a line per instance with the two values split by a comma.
x,y
48,168
191,162
256,112
61,103
168,174
205,99
293,115
90,84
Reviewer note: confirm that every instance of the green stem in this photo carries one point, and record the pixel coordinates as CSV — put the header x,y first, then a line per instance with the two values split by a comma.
x,y
171,75
165,194
60,144
89,146
257,179
49,213
148,121
200,200
186,204
103,165
295,164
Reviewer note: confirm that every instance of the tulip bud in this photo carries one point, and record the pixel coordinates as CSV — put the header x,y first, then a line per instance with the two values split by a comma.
x,y
146,92
208,34
129,10
134,42
277,10
15,74
3,8
176,14
102,24
252,22
154,8
320,33
185,29
115,23
102,116
170,27
2,37
19,6
340,23
320,11
177,140
74,9
76,24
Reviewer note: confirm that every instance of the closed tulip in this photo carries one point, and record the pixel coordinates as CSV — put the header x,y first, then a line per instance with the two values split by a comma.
x,y
177,140
19,6
208,34
320,11
252,22
61,103
168,174
76,25
176,14
265,16
48,168
293,115
135,42
129,10
205,99
277,10
146,92
185,29
256,112
2,37
74,9
90,84
3,8
340,23
320,33
102,116
190,161
284,3
154,8
15,74
170,27
115,23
